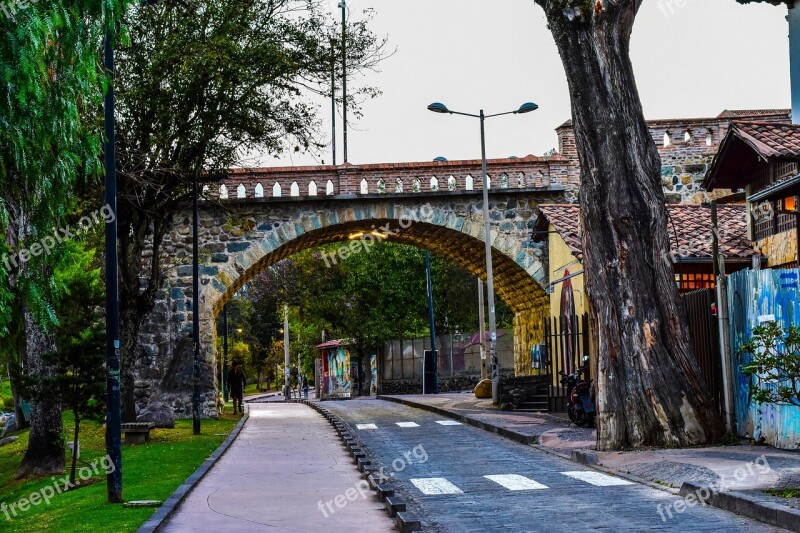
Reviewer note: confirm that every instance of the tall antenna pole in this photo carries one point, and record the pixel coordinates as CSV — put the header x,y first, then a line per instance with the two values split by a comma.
x,y
343,5
333,102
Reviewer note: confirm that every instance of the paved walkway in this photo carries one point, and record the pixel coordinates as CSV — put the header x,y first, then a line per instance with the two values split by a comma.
x,y
285,464
733,467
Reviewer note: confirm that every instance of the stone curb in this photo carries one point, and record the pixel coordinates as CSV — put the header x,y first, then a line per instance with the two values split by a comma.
x,y
770,513
503,432
395,507
160,517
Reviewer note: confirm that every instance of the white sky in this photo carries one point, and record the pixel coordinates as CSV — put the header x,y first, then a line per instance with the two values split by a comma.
x,y
690,61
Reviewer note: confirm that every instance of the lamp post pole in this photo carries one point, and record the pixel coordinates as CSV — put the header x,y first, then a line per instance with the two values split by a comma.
x,y
482,329
225,352
524,108
434,352
195,310
287,361
489,270
113,400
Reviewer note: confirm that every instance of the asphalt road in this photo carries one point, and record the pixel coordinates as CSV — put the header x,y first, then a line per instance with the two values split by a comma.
x,y
459,478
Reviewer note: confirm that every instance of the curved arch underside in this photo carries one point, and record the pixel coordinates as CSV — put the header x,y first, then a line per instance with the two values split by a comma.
x,y
511,282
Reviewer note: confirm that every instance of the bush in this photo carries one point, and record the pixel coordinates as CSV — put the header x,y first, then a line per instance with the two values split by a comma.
x,y
775,363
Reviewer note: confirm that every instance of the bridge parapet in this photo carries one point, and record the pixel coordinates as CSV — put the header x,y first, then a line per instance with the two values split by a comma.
x,y
395,179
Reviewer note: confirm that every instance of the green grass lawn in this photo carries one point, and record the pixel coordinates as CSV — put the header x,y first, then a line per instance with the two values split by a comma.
x,y
150,471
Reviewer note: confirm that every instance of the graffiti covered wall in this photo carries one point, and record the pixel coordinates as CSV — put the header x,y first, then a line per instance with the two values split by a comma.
x,y
755,297
339,383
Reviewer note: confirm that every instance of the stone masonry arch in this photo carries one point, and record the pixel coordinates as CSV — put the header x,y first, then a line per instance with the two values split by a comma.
x,y
241,238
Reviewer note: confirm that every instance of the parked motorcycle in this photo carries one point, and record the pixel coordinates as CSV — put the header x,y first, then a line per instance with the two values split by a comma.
x,y
580,409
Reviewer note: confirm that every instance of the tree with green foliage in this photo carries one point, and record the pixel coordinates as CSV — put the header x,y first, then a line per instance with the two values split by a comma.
x,y
202,83
49,136
774,363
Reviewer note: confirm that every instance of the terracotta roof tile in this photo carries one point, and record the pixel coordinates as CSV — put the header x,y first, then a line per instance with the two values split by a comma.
x,y
769,139
689,229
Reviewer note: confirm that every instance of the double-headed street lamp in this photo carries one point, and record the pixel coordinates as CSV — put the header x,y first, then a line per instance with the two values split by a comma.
x,y
524,108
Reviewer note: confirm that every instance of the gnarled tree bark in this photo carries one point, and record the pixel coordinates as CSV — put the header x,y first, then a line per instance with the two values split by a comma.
x,y
650,390
45,453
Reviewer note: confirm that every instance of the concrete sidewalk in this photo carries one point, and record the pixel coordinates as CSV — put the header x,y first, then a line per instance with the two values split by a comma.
x,y
285,464
733,468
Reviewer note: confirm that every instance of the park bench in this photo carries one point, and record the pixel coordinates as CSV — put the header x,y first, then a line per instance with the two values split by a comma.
x,y
137,432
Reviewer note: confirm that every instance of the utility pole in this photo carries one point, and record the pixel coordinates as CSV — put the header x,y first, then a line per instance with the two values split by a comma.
x,y
343,5
333,103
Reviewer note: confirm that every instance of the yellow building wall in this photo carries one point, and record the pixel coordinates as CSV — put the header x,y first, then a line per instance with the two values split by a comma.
x,y
561,259
779,249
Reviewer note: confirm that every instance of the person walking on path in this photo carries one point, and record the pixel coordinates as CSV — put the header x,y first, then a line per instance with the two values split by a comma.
x,y
305,387
236,382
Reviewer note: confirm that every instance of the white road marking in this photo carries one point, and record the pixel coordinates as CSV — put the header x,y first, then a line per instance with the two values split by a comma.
x,y
407,424
515,482
448,423
596,478
366,426
435,485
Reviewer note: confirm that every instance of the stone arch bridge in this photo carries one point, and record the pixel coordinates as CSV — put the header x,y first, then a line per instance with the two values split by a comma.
x,y
436,206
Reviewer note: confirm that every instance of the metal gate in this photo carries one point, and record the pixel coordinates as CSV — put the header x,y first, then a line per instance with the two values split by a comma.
x,y
567,339
704,332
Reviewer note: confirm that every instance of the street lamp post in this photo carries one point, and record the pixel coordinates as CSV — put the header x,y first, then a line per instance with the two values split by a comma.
x,y
113,402
524,108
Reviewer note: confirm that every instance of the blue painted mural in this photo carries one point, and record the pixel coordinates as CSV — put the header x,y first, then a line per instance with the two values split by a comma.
x,y
755,297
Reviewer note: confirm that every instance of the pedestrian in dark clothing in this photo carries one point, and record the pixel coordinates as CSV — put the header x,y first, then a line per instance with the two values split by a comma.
x,y
236,382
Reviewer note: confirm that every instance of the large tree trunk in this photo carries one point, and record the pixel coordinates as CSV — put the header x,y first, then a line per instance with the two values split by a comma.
x,y
45,453
650,390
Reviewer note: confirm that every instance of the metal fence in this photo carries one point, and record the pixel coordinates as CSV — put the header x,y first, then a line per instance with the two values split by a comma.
x,y
402,359
568,340
704,333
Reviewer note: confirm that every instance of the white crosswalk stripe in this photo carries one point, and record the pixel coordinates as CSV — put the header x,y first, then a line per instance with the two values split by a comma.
x,y
366,426
435,485
596,478
407,424
515,482
448,423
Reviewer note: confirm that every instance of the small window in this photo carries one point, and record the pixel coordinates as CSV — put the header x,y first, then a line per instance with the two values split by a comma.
x,y
205,190
294,190
276,190
259,191
364,186
329,188
416,185
381,186
434,184
312,188
521,180
667,139
451,183
470,183
398,185
709,138
488,181
223,192
504,181
241,192
687,136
